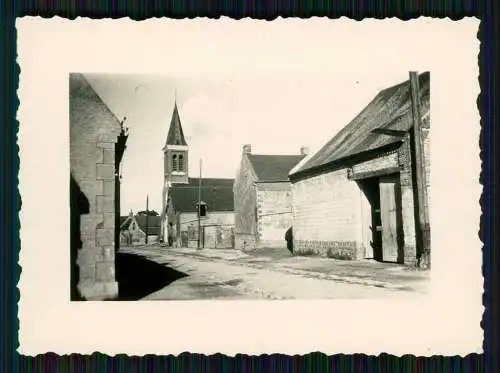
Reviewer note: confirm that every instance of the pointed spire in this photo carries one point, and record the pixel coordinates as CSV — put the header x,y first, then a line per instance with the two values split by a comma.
x,y
175,134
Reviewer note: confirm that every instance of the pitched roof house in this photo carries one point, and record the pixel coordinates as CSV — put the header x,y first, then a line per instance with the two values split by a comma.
x,y
262,199
354,197
181,195
133,229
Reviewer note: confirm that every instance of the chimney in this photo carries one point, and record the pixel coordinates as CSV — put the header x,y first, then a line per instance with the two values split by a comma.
x,y
247,149
304,150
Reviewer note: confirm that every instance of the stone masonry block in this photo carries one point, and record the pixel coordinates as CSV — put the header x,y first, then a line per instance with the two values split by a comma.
x,y
87,271
109,220
91,188
105,237
105,271
108,134
88,240
105,204
109,188
109,155
89,222
89,256
108,254
98,155
91,290
106,145
105,171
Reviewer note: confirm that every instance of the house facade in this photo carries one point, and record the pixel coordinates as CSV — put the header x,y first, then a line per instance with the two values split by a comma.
x,y
133,229
181,195
262,199
97,143
356,197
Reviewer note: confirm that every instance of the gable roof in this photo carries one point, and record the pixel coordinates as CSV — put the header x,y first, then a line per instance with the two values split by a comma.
x,y
273,167
86,106
175,134
216,193
389,110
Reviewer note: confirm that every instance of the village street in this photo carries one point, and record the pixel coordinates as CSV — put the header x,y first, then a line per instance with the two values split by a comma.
x,y
272,274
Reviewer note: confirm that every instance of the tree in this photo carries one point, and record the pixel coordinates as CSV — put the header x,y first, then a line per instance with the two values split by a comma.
x,y
150,213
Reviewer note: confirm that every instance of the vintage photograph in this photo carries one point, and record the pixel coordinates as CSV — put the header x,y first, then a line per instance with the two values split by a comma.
x,y
225,188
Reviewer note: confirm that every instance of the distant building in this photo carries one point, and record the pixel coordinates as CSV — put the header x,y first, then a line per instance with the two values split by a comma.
x,y
262,199
133,229
97,143
181,195
354,198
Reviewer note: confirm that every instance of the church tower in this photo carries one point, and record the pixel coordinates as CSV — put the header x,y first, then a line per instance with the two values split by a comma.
x,y
175,165
175,152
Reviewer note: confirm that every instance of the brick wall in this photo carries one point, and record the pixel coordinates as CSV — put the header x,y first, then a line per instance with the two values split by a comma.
x,y
274,213
93,133
327,215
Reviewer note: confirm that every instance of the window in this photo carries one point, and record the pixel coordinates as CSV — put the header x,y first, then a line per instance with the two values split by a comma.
x,y
174,162
181,163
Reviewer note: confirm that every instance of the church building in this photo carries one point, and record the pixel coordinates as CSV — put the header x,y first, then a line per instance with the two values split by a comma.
x,y
181,196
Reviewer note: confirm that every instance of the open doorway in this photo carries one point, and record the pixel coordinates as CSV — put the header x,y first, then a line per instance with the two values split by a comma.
x,y
391,219
371,190
384,218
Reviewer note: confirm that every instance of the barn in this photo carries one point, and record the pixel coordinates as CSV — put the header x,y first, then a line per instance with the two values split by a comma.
x,y
356,197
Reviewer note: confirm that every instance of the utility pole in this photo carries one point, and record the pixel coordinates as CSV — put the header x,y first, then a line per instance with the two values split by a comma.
x,y
199,209
423,214
147,218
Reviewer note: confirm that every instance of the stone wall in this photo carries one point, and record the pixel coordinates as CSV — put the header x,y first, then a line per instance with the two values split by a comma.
x,y
245,206
93,133
327,210
327,215
218,227
407,202
274,213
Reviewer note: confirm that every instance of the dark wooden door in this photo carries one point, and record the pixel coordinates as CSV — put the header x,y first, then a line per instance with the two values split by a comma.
x,y
389,217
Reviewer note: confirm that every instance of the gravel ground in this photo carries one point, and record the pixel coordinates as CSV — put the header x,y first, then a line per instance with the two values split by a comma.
x,y
275,274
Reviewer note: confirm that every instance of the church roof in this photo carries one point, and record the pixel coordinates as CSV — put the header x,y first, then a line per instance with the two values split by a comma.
x,y
154,223
389,112
216,193
175,134
273,167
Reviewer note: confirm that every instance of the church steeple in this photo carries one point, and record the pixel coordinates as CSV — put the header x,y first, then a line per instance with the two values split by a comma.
x,y
175,133
175,151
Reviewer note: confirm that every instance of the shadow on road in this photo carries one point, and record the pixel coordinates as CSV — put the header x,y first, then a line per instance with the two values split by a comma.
x,y
138,277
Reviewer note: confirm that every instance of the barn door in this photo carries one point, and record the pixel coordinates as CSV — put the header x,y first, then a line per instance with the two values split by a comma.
x,y
389,217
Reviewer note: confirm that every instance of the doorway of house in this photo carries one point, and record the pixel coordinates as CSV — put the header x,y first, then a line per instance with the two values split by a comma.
x,y
391,218
371,190
384,197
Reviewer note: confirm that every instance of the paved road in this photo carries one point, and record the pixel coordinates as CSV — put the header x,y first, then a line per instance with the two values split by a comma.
x,y
215,274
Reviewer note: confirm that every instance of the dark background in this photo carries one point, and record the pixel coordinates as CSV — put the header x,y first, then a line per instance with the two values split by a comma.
x,y
10,200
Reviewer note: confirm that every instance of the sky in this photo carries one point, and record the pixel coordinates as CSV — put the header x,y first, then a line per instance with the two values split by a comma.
x,y
276,114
